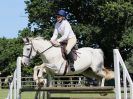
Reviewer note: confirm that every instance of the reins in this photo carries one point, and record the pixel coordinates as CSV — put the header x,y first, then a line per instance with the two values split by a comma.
x,y
46,49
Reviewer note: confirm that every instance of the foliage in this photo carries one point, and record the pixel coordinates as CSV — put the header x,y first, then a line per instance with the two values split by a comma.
x,y
26,32
86,34
129,63
10,49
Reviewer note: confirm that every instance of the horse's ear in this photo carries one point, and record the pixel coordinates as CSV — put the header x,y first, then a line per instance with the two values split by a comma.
x,y
26,40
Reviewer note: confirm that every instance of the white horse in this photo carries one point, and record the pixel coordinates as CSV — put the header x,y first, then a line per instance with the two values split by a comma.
x,y
53,62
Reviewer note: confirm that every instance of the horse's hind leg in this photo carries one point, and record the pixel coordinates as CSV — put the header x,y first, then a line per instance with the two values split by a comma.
x,y
105,74
101,76
93,74
103,81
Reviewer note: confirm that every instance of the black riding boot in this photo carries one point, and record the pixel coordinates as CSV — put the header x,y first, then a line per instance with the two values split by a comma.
x,y
71,65
71,61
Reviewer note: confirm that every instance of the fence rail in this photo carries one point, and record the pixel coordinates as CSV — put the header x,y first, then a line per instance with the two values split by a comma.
x,y
62,89
118,62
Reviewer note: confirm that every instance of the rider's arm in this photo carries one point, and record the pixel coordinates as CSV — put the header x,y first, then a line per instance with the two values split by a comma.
x,y
66,33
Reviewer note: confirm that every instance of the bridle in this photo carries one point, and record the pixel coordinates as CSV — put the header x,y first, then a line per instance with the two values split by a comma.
x,y
28,56
35,50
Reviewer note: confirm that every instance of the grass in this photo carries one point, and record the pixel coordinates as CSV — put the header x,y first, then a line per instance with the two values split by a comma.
x,y
28,95
25,95
3,93
31,95
83,95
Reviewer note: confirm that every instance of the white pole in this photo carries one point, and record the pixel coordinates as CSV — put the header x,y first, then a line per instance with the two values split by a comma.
x,y
18,77
117,75
14,82
131,90
11,86
125,84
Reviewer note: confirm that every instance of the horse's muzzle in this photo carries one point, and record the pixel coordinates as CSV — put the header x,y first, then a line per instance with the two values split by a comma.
x,y
25,62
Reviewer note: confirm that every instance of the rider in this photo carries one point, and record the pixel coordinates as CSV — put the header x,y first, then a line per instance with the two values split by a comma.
x,y
63,27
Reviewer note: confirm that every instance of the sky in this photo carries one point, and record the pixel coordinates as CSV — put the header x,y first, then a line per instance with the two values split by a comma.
x,y
12,18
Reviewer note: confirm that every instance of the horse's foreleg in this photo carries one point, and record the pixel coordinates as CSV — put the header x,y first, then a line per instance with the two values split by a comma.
x,y
36,68
38,73
41,70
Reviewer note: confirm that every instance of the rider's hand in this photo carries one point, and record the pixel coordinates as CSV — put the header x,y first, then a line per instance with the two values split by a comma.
x,y
55,43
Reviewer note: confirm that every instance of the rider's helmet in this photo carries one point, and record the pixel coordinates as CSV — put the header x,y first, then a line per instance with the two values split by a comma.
x,y
62,13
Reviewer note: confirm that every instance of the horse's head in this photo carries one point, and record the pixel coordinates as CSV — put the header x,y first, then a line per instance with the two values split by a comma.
x,y
28,51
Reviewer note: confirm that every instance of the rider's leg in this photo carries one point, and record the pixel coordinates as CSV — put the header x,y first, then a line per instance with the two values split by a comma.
x,y
70,45
71,61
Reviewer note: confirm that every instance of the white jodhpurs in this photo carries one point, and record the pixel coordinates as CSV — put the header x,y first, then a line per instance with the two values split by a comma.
x,y
70,44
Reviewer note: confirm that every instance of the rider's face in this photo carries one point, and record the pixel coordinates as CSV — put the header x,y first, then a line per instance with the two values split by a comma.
x,y
59,18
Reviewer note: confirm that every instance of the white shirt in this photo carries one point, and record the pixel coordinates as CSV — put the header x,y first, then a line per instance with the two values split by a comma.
x,y
64,29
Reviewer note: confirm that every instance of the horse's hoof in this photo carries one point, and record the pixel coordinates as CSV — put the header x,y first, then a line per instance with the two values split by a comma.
x,y
40,84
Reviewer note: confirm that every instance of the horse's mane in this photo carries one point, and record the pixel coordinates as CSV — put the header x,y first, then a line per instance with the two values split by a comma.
x,y
37,38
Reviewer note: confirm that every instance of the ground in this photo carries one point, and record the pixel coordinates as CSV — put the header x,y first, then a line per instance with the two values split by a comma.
x,y
30,95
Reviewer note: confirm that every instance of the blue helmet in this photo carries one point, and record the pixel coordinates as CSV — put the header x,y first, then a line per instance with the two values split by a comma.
x,y
62,13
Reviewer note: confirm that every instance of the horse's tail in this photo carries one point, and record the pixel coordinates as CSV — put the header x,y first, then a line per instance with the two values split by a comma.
x,y
108,74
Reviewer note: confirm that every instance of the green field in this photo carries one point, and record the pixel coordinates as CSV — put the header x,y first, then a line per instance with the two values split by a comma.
x,y
25,95
3,93
31,95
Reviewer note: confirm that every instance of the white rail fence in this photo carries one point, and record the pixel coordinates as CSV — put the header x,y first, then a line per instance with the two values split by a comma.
x,y
118,62
14,91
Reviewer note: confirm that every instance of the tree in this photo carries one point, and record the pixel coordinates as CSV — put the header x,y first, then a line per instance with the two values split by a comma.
x,y
10,49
